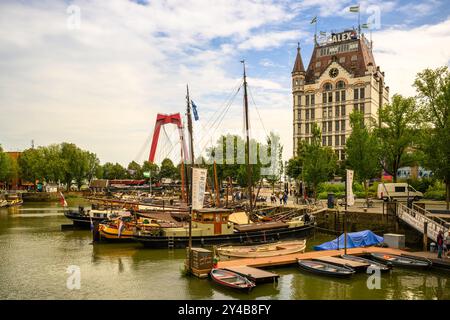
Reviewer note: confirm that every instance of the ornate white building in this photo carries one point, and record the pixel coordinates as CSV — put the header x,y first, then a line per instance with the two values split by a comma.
x,y
342,76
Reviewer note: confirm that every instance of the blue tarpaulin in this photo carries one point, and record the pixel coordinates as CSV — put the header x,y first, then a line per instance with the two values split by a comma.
x,y
354,240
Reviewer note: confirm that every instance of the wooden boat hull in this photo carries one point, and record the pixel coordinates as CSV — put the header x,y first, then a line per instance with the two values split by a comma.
x,y
243,237
326,269
112,234
82,221
231,279
400,261
260,251
382,267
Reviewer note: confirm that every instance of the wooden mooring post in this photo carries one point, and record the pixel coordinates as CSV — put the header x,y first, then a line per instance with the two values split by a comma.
x,y
425,236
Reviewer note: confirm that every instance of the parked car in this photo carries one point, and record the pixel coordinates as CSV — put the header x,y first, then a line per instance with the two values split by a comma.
x,y
397,191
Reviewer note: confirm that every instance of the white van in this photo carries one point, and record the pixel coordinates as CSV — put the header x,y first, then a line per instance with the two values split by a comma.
x,y
401,190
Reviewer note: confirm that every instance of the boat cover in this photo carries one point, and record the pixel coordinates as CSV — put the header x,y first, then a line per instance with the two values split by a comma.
x,y
354,240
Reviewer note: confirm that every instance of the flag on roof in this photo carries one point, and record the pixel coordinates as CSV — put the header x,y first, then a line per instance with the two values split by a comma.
x,y
354,8
365,25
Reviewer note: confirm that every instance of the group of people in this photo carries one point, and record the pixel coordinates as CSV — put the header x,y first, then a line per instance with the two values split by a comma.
x,y
443,244
282,197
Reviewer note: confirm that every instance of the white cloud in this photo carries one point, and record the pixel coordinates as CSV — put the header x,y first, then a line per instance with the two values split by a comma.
x,y
270,40
102,85
404,53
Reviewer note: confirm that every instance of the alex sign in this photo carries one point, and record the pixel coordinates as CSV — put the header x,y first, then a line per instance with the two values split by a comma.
x,y
198,187
338,37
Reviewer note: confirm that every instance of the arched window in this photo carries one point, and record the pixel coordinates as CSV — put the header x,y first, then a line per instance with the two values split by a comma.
x,y
340,85
327,86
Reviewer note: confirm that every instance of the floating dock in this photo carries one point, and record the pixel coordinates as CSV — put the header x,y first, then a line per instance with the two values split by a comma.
x,y
254,274
291,259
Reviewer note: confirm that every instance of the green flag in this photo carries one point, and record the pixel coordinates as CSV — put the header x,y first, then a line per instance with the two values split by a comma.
x,y
365,26
354,8
314,20
147,174
323,33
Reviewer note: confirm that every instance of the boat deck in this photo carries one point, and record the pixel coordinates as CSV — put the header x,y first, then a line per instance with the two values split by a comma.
x,y
292,258
443,263
254,274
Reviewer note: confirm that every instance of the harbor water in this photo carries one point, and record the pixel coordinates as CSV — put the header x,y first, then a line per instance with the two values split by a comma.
x,y
37,261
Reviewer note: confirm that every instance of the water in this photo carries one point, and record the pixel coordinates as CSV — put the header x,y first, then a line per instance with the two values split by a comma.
x,y
35,255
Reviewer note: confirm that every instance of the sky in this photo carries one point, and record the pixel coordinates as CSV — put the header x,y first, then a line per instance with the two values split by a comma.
x,y
96,73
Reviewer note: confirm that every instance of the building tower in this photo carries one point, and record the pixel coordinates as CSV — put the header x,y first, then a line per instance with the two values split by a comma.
x,y
341,77
298,83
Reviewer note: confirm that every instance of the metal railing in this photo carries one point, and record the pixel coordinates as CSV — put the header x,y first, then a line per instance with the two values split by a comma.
x,y
416,217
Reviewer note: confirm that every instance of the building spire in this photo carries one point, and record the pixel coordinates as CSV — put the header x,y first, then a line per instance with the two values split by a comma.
x,y
298,65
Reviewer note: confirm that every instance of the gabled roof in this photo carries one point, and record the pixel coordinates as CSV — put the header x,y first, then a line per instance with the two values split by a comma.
x,y
357,68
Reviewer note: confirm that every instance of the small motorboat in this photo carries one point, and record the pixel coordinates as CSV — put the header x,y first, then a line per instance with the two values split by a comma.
x,y
263,250
401,261
325,269
374,264
231,279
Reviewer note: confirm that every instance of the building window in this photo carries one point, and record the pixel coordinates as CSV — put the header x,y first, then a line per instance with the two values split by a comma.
x,y
330,126
336,113
307,100
312,100
355,94
312,114
327,86
307,128
318,64
342,140
299,114
307,114
330,97
336,141
361,108
361,93
338,96
336,126
343,110
324,141
330,142
324,126
340,85
354,57
299,100
343,95
355,107
330,112
341,59
342,125
324,97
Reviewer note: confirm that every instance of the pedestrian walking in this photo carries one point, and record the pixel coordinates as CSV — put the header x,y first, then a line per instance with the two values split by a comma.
x,y
447,244
440,244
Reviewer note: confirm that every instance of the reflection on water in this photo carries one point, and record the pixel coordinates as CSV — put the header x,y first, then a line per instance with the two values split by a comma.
x,y
36,253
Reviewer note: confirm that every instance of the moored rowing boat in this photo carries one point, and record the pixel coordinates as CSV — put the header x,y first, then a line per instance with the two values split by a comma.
x,y
263,250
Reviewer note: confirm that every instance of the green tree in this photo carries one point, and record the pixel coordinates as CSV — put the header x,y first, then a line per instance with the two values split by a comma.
x,y
167,169
362,152
135,170
6,167
398,133
319,162
31,163
433,87
113,171
153,169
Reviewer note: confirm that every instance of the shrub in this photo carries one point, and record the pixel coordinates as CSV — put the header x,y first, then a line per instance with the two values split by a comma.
x,y
331,187
421,185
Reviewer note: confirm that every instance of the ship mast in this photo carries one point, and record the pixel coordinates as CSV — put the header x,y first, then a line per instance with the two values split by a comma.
x,y
247,146
191,144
